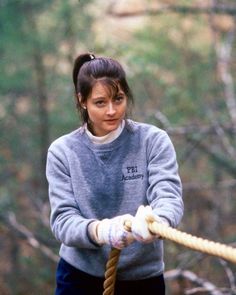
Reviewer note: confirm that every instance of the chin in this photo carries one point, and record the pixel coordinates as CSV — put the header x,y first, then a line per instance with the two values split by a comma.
x,y
111,129
112,126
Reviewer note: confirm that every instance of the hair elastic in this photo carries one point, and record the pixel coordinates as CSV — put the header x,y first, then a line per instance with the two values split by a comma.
x,y
92,56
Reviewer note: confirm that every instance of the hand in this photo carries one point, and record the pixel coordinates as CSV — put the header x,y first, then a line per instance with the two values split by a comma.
x,y
140,224
112,232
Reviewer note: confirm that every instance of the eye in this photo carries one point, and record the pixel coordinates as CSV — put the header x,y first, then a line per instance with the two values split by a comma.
x,y
119,98
100,103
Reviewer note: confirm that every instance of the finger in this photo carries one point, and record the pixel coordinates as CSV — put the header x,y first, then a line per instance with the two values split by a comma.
x,y
140,210
128,225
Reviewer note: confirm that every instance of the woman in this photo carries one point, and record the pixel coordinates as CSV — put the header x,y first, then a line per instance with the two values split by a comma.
x,y
107,171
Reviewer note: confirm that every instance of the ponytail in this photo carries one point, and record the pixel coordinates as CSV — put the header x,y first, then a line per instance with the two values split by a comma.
x,y
78,63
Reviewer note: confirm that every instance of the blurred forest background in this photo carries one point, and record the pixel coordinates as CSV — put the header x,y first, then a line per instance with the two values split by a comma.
x,y
180,59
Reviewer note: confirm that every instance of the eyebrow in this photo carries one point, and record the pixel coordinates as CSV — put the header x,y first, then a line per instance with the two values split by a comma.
x,y
98,97
104,97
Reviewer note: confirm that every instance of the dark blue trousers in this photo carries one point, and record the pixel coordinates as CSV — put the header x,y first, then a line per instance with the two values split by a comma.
x,y
71,281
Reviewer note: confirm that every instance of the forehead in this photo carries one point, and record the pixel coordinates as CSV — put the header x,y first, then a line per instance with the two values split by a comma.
x,y
105,89
99,88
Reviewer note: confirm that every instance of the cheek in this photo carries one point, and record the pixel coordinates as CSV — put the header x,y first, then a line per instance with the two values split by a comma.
x,y
94,115
124,108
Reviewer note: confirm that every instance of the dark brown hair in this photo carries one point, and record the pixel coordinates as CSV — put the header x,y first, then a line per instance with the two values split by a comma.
x,y
89,69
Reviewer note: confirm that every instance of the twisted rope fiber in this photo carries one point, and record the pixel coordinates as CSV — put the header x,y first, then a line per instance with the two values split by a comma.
x,y
195,243
166,232
110,274
111,266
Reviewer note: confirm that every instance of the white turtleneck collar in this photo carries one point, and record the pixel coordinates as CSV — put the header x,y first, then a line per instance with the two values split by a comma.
x,y
108,137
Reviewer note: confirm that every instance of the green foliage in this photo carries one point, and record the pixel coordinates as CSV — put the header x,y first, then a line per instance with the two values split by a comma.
x,y
171,65
38,42
181,76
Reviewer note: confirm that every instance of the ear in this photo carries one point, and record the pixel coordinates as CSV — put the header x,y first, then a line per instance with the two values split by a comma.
x,y
79,98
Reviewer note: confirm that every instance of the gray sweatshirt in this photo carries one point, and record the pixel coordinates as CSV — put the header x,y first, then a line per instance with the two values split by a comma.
x,y
88,181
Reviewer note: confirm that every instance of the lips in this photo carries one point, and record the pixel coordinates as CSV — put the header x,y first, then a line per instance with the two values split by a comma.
x,y
111,121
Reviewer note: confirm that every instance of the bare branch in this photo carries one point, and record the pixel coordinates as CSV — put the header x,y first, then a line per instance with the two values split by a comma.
x,y
168,8
197,142
229,273
43,212
193,129
190,186
225,140
223,52
214,155
163,119
205,285
29,236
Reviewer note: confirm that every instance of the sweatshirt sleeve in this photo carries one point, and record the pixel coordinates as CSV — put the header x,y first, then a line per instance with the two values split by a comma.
x,y
67,222
164,193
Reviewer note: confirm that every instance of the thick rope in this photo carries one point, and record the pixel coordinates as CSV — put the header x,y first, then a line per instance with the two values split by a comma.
x,y
111,267
110,274
195,243
166,232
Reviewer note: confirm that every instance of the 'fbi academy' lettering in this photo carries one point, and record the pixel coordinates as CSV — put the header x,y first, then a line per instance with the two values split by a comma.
x,y
131,173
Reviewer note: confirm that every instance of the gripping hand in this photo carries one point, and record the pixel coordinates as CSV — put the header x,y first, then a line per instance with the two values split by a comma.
x,y
140,224
112,232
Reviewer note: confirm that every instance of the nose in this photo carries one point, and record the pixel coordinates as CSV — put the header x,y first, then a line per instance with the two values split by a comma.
x,y
111,109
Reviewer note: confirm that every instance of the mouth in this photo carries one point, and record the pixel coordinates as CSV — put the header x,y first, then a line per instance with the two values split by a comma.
x,y
111,120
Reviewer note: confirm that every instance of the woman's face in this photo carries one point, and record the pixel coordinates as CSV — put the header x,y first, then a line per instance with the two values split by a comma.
x,y
105,112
